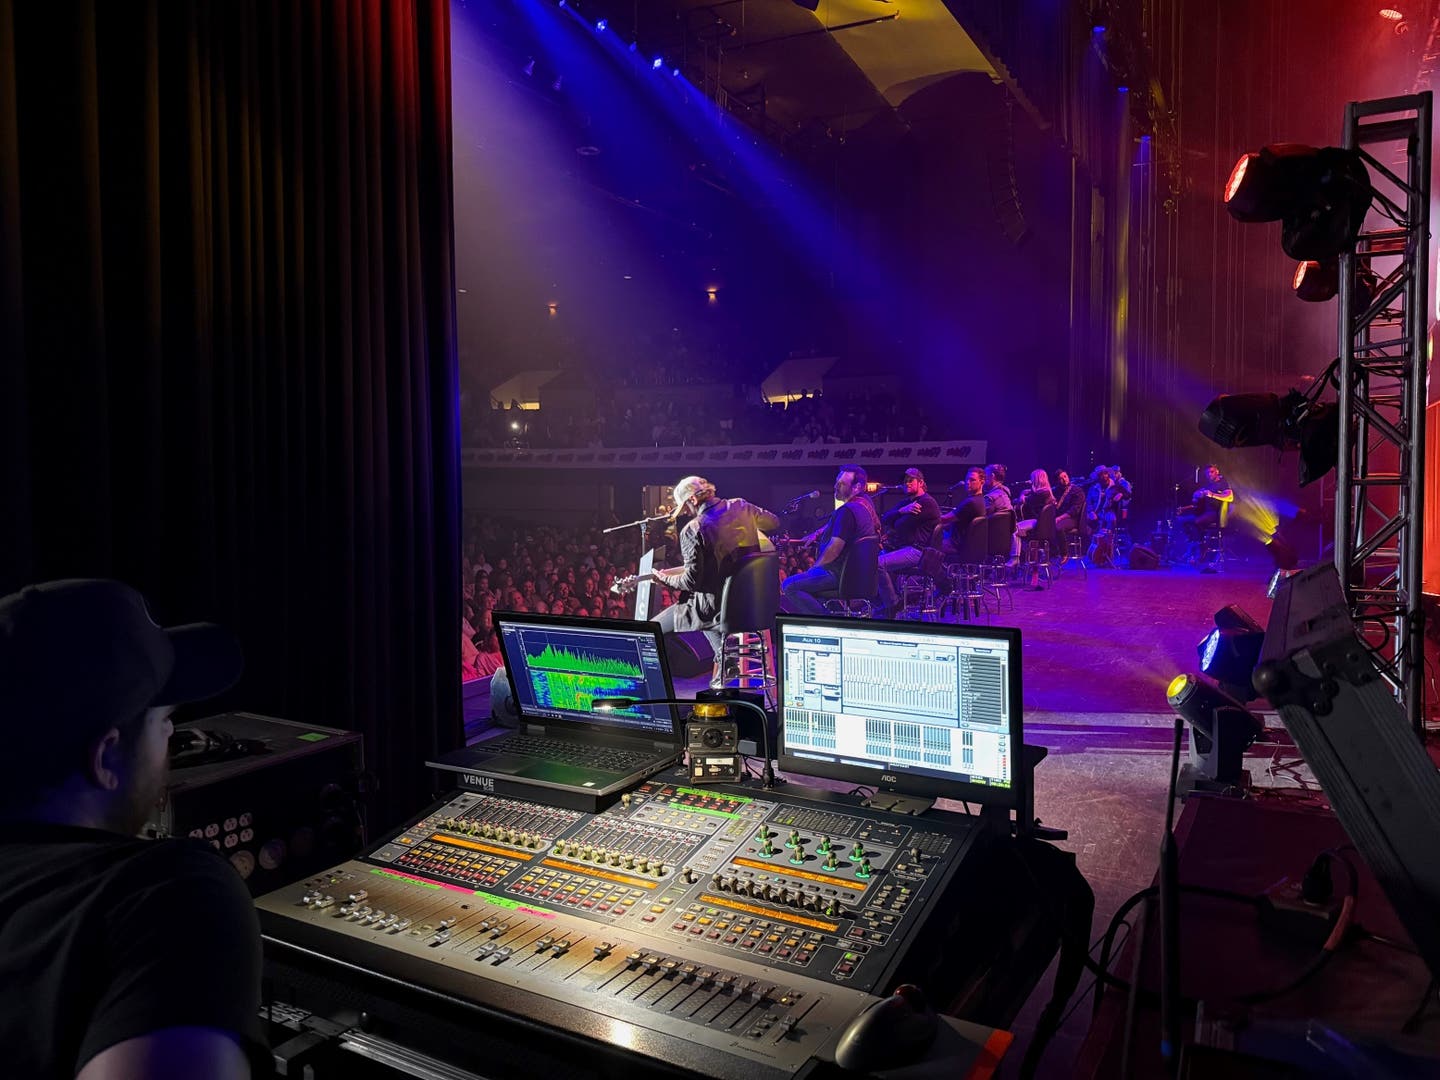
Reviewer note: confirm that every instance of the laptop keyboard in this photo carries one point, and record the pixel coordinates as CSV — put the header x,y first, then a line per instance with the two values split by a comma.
x,y
609,758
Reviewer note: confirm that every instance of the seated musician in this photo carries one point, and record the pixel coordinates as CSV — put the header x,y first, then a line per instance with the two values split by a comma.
x,y
997,495
853,520
1209,506
954,525
1035,500
1121,496
714,542
1070,503
908,529
1099,514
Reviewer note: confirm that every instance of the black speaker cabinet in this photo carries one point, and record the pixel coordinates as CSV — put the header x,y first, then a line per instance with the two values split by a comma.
x,y
279,799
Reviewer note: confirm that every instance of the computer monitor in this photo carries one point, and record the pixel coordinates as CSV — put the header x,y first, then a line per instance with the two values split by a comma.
x,y
927,709
559,664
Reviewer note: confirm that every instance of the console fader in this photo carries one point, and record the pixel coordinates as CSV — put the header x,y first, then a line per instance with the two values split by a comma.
x,y
712,930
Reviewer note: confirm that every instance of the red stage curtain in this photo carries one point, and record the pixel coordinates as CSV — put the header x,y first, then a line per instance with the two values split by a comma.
x,y
228,336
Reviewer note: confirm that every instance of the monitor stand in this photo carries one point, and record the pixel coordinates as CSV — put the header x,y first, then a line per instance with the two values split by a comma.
x,y
1025,823
896,803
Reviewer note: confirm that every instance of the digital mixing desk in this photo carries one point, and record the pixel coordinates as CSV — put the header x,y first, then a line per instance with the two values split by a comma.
x,y
725,932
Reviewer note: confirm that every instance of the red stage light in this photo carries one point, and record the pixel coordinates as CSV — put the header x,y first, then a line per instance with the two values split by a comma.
x,y
1391,14
1237,175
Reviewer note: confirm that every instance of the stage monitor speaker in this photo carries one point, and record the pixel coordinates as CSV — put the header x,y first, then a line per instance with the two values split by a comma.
x,y
689,653
1142,558
280,800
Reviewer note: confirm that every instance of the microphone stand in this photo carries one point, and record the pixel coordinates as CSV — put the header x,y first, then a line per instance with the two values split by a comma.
x,y
641,595
767,775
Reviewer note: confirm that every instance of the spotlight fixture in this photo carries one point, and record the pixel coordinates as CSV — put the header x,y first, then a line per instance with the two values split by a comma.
x,y
1229,653
601,25
1390,14
1221,729
657,63
1318,280
1294,422
675,72
1278,579
1320,196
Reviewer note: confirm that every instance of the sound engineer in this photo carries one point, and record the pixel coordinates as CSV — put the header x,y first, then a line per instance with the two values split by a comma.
x,y
120,957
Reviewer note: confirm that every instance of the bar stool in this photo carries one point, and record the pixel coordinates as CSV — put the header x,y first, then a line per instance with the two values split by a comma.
x,y
748,604
918,596
1075,549
1212,549
1036,552
995,575
967,579
859,579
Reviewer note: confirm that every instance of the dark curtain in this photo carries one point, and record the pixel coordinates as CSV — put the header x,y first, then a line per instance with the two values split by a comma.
x,y
229,372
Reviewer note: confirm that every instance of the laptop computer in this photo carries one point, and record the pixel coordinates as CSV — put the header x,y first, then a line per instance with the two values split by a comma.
x,y
566,754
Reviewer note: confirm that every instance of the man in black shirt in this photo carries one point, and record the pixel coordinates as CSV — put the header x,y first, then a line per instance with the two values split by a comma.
x,y
909,527
1070,503
853,520
131,957
1210,504
721,535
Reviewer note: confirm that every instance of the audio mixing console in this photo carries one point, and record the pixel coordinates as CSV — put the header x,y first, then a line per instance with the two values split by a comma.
x,y
707,931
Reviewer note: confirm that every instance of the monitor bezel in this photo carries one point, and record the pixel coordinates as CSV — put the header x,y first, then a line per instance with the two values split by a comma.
x,y
902,783
576,622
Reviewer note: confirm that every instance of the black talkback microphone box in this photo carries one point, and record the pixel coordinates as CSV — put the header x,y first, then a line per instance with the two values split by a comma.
x,y
279,799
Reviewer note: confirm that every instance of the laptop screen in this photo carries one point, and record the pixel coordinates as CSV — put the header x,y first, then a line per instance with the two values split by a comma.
x,y
559,664
924,708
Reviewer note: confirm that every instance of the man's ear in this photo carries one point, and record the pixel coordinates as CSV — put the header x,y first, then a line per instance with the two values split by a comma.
x,y
105,761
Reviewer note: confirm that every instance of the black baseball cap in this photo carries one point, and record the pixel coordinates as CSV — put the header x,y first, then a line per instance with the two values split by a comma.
x,y
81,656
913,473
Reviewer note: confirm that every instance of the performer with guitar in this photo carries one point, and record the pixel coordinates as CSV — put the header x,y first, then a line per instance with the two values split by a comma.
x,y
721,534
854,519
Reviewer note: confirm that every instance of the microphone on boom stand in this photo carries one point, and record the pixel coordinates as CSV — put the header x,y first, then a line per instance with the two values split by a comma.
x,y
794,504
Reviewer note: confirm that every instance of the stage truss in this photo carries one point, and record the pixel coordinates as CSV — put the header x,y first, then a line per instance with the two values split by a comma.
x,y
1380,480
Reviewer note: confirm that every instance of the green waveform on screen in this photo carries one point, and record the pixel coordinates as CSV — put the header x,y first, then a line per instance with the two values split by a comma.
x,y
566,690
550,658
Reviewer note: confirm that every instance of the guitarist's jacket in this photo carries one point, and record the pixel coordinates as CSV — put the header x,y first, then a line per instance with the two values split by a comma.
x,y
713,544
